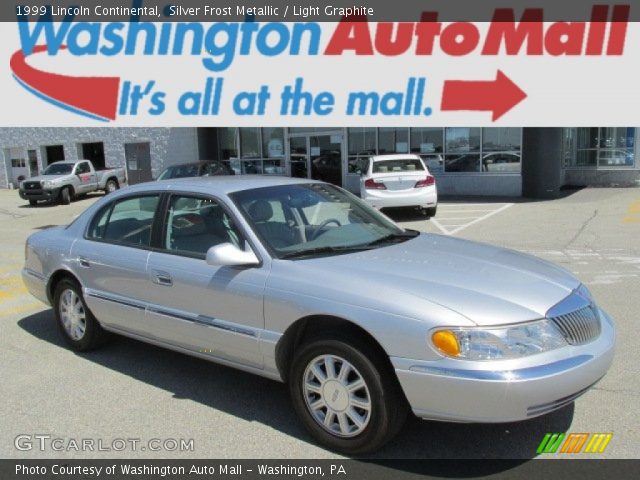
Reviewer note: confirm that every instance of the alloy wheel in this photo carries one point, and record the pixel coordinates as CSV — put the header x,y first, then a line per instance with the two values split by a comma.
x,y
72,314
337,395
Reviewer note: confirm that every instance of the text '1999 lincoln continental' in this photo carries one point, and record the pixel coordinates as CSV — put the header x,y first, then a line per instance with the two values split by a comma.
x,y
302,282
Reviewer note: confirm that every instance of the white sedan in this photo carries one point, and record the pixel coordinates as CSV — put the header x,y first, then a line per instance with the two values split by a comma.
x,y
399,181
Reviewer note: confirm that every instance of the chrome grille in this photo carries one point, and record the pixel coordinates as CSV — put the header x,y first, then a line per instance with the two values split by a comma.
x,y
32,185
580,326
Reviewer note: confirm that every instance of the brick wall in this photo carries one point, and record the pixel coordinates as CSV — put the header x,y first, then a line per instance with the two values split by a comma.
x,y
168,145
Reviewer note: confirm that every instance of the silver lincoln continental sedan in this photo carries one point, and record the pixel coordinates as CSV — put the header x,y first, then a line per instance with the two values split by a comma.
x,y
302,282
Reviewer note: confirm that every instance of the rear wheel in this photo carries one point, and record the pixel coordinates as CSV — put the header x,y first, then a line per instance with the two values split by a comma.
x,y
65,196
111,186
345,396
77,324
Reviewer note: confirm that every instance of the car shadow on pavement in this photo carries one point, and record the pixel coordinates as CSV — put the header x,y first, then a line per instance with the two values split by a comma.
x,y
256,399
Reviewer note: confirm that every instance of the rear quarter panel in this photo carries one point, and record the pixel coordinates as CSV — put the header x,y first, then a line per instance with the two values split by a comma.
x,y
49,251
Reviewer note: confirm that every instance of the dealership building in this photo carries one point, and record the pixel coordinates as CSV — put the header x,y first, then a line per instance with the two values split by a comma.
x,y
512,162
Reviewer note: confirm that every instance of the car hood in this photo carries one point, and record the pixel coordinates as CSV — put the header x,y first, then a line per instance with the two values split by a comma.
x,y
42,178
488,285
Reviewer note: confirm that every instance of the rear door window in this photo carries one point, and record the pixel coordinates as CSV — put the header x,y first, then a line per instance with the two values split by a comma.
x,y
127,221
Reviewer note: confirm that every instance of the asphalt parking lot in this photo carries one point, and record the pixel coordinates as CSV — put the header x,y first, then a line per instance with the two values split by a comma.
x,y
132,390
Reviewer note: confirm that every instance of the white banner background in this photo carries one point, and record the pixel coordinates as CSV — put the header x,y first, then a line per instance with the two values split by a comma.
x,y
562,91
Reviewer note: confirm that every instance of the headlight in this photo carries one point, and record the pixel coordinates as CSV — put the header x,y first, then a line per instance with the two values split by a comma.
x,y
48,184
500,343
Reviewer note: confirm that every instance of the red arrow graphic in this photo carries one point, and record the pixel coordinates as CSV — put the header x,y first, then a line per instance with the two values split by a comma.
x,y
497,96
95,96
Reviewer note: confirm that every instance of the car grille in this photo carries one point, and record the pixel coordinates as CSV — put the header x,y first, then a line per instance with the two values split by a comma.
x,y
31,185
579,327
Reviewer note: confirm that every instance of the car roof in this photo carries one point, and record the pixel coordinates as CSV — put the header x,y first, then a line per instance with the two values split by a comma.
x,y
403,156
188,164
68,162
224,184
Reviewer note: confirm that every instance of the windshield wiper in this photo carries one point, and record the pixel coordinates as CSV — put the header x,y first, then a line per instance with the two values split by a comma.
x,y
322,250
393,238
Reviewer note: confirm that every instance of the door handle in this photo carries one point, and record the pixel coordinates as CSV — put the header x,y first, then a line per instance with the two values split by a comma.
x,y
162,278
84,262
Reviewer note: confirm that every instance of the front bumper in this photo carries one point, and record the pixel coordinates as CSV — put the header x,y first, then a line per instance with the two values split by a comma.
x,y
44,194
495,392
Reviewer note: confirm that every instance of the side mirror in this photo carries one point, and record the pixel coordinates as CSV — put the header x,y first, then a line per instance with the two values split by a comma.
x,y
227,254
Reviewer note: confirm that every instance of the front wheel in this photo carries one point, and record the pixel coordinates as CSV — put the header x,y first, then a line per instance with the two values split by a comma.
x,y
77,324
65,196
345,396
33,203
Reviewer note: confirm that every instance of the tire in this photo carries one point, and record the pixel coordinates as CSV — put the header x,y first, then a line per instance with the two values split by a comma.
x,y
33,203
387,406
65,196
430,212
82,332
111,186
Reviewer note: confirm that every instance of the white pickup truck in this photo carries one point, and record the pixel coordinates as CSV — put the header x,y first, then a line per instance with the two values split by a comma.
x,y
62,181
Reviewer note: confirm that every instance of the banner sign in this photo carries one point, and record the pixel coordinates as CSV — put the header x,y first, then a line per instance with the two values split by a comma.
x,y
189,64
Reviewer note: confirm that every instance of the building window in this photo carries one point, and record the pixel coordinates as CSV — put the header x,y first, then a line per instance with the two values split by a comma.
x,y
18,163
227,143
599,147
250,143
252,150
616,147
462,150
313,129
362,144
450,150
273,150
426,140
429,144
273,142
501,149
393,140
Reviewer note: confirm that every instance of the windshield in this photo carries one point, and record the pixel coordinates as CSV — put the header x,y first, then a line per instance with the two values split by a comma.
x,y
58,169
401,165
315,219
179,171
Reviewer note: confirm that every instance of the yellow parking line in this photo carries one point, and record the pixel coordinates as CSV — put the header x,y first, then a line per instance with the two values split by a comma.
x,y
12,293
10,268
11,287
633,213
634,207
